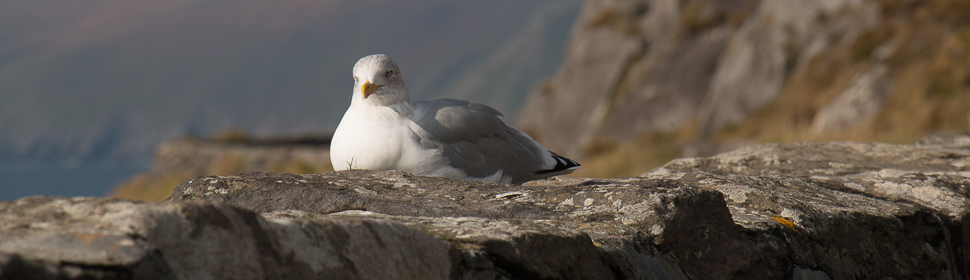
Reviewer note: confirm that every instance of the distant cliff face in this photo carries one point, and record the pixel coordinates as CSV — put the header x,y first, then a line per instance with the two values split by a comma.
x,y
661,78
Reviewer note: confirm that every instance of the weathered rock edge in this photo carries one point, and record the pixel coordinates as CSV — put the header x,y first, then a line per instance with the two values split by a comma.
x,y
773,211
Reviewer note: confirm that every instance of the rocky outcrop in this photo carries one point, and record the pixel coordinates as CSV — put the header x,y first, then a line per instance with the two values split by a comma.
x,y
808,210
690,78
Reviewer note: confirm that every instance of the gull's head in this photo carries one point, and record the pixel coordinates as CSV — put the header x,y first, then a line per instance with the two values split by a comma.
x,y
378,81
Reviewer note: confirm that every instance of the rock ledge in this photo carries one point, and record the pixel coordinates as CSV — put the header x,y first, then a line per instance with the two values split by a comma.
x,y
774,211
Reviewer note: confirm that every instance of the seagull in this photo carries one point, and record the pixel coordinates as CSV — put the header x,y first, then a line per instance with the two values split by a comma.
x,y
384,130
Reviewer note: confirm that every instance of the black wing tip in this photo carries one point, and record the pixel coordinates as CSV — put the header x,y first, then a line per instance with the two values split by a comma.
x,y
562,164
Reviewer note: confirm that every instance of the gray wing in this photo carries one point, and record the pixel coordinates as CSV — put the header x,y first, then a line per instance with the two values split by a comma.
x,y
476,140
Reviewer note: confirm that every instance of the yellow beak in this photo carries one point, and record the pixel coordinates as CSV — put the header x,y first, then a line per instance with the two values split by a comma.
x,y
368,88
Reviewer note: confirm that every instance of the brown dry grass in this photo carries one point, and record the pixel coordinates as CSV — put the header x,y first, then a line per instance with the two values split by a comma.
x,y
154,186
145,187
298,166
632,158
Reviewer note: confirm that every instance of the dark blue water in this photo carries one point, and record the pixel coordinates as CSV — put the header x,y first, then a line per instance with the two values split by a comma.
x,y
19,179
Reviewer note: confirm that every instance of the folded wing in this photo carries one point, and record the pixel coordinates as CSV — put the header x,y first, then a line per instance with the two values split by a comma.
x,y
476,140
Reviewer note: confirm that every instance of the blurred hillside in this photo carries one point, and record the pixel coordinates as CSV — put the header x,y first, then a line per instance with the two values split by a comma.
x,y
101,79
224,153
645,81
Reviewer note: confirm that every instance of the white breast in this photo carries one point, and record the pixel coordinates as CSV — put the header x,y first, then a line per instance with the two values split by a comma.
x,y
378,138
367,138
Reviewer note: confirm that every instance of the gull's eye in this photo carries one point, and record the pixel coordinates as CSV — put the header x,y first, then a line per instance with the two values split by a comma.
x,y
389,73
355,79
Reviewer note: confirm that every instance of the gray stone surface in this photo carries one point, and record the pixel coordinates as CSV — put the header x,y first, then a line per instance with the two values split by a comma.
x,y
541,229
68,238
776,211
855,207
